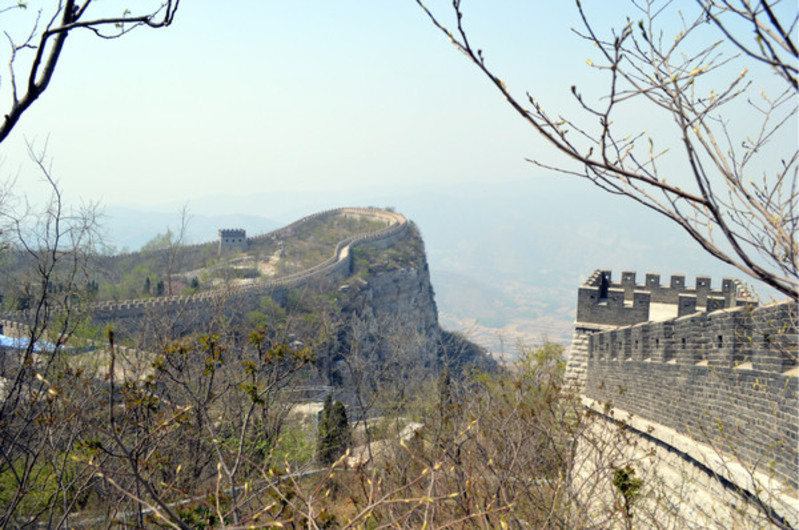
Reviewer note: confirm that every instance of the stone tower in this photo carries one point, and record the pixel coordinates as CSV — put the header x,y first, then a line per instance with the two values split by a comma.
x,y
232,239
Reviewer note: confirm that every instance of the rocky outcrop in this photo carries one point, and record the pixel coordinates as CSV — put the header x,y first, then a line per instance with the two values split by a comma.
x,y
389,313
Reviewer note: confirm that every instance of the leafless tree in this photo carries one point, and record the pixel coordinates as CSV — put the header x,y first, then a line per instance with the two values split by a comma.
x,y
35,53
740,203
41,389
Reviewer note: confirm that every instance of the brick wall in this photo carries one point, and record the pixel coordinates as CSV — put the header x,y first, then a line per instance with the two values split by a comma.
x,y
726,378
600,300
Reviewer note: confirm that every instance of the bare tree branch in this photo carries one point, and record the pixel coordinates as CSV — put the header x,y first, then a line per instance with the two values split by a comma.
x,y
48,44
740,217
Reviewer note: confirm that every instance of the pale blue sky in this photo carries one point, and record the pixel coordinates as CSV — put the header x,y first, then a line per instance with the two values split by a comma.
x,y
286,95
253,96
248,98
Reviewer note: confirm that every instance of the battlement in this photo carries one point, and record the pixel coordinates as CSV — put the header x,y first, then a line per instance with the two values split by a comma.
x,y
758,338
600,300
699,360
232,239
730,371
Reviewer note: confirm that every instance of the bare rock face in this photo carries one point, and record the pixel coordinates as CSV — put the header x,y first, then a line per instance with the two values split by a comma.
x,y
394,314
390,316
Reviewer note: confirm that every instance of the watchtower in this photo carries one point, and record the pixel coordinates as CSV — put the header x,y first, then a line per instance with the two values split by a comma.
x,y
232,239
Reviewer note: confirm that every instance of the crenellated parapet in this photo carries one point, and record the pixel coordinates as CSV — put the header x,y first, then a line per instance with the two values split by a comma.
x,y
600,300
231,239
745,337
727,378
708,363
605,304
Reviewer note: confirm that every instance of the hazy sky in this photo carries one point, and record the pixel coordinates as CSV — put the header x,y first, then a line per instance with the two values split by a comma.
x,y
264,95
257,96
273,95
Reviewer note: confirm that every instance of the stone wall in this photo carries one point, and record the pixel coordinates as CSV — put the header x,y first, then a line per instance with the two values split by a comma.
x,y
231,239
720,373
726,378
684,483
623,303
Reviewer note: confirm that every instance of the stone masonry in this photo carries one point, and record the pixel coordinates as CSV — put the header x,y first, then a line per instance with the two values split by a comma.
x,y
231,239
605,305
707,363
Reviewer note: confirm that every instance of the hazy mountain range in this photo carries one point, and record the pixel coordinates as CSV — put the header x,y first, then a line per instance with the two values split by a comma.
x,y
505,259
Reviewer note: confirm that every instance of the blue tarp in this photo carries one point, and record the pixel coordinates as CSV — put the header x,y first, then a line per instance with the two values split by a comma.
x,y
21,343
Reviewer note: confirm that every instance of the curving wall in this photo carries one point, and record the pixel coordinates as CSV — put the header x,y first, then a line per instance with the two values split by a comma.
x,y
726,378
338,265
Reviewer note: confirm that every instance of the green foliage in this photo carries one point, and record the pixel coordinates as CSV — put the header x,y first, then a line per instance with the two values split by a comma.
x,y
294,446
201,516
269,312
139,281
193,288
624,480
629,487
160,242
333,432
40,486
361,265
83,333
408,251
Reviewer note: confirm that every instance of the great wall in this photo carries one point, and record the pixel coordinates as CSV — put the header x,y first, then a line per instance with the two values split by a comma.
x,y
337,266
707,382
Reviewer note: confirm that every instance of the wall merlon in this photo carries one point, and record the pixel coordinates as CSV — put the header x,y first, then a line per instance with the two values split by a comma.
x,y
714,303
652,280
615,298
686,304
628,283
703,283
641,300
728,285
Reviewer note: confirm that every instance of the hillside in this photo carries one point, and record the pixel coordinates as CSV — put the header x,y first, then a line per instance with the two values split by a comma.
x,y
328,280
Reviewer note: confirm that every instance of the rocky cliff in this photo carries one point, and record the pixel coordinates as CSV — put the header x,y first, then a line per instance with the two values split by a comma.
x,y
389,319
370,302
